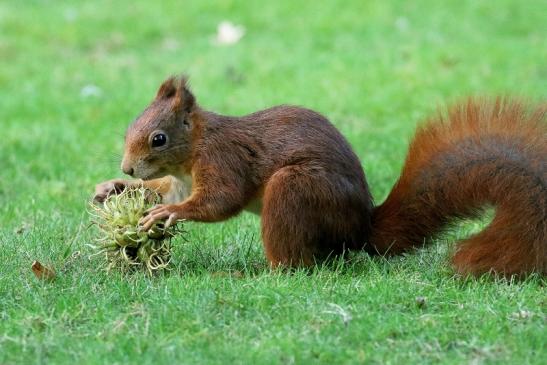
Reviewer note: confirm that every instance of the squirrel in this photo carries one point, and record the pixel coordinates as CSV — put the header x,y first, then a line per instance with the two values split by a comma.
x,y
294,168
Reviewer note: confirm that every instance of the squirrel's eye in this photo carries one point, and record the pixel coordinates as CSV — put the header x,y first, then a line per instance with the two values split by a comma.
x,y
159,140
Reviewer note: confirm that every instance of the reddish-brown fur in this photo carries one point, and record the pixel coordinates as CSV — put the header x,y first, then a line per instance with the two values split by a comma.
x,y
482,154
312,193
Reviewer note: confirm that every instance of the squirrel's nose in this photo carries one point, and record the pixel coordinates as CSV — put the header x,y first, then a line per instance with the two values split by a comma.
x,y
126,167
128,170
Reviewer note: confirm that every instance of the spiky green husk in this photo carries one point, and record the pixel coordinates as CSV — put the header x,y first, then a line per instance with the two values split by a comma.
x,y
120,240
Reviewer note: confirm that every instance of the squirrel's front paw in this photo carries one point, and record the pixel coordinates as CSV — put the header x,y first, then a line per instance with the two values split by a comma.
x,y
107,188
160,212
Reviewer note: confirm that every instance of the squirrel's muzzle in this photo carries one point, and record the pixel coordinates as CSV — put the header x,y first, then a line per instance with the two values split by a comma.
x,y
127,168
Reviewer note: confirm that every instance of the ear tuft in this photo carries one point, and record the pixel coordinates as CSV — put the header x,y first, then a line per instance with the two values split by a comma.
x,y
167,89
176,88
184,99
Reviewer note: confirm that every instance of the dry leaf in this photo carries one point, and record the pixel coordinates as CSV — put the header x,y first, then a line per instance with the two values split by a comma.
x,y
522,314
421,302
42,272
229,33
90,90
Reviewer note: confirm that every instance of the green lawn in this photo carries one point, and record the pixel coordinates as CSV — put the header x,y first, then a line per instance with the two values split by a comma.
x,y
74,74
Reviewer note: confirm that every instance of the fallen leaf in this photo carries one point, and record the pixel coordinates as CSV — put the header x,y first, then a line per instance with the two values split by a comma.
x,y
421,302
42,272
90,91
21,229
229,33
522,314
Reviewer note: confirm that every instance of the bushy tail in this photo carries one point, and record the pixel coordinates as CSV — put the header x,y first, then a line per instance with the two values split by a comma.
x,y
483,153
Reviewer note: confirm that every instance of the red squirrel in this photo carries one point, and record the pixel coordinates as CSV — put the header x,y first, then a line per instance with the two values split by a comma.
x,y
294,168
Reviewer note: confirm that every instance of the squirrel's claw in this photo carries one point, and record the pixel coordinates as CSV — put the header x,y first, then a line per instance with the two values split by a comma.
x,y
159,212
154,208
107,188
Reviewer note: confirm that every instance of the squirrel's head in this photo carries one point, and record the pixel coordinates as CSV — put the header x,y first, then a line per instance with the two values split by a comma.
x,y
159,141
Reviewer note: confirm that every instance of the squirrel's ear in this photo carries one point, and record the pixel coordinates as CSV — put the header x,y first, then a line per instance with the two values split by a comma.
x,y
167,89
176,88
184,99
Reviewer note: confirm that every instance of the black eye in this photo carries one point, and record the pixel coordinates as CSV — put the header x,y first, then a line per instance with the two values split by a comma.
x,y
159,140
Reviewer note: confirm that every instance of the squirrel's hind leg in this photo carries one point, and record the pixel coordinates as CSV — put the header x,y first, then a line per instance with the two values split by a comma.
x,y
302,221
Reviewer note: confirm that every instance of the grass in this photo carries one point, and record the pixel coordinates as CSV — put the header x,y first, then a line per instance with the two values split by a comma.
x,y
73,74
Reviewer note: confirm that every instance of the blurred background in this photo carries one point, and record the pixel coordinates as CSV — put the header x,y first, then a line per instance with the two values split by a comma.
x,y
73,74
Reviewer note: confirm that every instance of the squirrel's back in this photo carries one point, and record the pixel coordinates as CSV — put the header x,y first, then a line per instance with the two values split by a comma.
x,y
284,135
484,153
